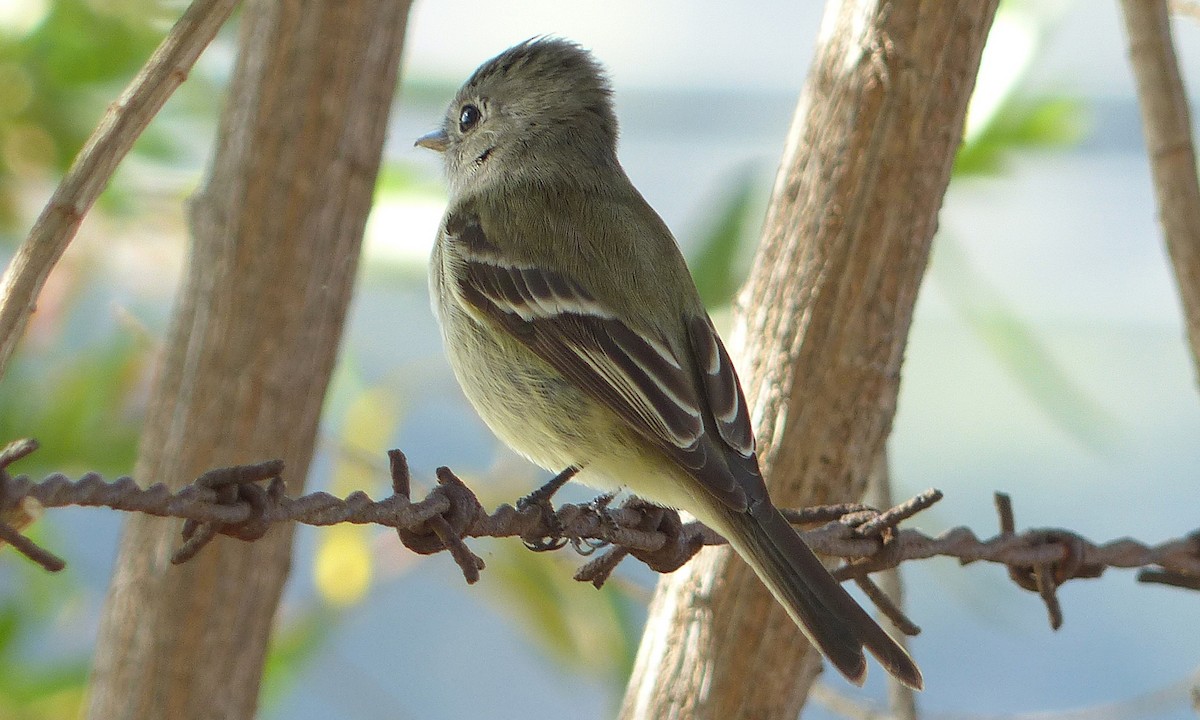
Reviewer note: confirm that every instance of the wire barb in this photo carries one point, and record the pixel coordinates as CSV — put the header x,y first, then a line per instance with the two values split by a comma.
x,y
889,609
233,486
13,513
1045,577
444,530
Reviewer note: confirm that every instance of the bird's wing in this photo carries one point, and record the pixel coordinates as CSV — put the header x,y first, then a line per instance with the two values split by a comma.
x,y
635,374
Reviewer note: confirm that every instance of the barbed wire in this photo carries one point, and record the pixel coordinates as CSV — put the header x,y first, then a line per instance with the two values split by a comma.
x,y
244,501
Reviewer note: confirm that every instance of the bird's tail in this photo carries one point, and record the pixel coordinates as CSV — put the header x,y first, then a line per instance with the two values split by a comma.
x,y
830,619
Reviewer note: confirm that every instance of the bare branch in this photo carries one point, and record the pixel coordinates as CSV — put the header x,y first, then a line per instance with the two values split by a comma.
x,y
1167,127
124,122
902,699
233,501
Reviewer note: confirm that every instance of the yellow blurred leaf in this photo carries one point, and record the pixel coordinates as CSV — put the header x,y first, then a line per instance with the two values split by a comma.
x,y
343,566
370,421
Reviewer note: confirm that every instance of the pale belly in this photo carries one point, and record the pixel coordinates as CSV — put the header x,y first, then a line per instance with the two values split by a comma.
x,y
540,414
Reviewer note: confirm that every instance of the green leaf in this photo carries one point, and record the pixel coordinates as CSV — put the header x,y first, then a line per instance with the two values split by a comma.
x,y
33,689
594,631
10,622
1046,124
293,645
78,407
398,178
717,265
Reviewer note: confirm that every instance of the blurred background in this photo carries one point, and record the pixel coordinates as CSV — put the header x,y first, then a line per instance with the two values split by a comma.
x,y
1046,360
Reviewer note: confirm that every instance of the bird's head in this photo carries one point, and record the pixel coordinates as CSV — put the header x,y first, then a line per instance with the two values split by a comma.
x,y
541,108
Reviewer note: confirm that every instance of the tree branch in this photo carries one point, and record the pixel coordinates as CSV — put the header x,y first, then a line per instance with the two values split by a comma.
x,y
124,122
1167,127
276,231
822,330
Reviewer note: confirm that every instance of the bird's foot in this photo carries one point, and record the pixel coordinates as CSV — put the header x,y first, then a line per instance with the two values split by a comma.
x,y
539,499
599,505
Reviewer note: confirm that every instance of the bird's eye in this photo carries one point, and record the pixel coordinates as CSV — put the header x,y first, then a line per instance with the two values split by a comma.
x,y
468,118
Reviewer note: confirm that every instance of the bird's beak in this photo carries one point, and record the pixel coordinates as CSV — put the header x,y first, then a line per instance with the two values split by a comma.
x,y
436,140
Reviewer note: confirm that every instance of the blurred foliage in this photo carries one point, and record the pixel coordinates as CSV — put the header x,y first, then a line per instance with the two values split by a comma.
x,y
35,683
721,261
1021,125
81,405
61,64
296,641
1003,122
399,180
1018,348
582,628
343,568
82,401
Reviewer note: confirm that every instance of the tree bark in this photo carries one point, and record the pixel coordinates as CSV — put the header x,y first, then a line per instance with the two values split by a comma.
x,y
824,321
276,235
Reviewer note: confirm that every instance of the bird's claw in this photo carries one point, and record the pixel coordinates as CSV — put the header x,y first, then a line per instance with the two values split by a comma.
x,y
540,500
599,505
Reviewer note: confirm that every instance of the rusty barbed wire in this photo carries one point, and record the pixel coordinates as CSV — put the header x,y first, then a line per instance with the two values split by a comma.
x,y
244,501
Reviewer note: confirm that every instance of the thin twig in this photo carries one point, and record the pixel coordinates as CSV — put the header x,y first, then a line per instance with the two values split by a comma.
x,y
888,595
1167,127
124,122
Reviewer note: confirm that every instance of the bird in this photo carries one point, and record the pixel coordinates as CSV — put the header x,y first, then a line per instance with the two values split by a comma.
x,y
574,328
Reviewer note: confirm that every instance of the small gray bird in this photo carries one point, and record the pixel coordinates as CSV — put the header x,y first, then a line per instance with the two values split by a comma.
x,y
575,329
